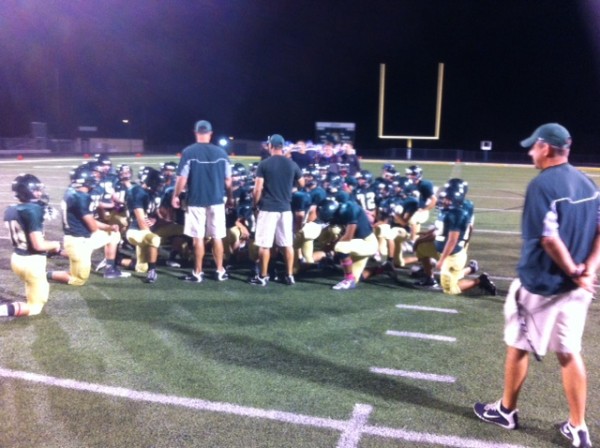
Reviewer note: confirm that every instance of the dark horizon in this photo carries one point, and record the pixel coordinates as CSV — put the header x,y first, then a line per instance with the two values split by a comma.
x,y
259,68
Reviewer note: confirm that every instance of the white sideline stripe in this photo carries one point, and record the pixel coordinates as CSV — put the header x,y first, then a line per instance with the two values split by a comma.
x,y
413,375
351,436
352,427
427,308
408,334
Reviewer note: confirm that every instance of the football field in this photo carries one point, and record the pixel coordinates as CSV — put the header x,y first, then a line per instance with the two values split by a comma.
x,y
120,363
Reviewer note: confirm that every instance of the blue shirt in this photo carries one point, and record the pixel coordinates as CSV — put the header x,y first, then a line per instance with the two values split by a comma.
x,y
76,205
454,219
23,219
206,167
279,174
560,201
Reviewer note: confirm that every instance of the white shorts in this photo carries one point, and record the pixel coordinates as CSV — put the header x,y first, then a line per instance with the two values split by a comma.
x,y
274,227
554,323
205,221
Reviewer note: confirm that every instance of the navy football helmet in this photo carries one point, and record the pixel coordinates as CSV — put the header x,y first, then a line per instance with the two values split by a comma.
x,y
152,178
327,209
84,176
25,185
414,170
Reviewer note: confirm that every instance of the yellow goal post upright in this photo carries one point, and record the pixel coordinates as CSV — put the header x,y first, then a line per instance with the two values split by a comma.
x,y
438,109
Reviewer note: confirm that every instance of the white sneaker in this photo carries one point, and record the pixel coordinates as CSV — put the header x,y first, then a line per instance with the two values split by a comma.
x,y
101,265
344,284
193,277
173,264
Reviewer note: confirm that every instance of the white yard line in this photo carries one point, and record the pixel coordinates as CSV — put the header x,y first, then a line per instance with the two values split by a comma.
x,y
351,430
431,337
413,375
427,308
351,436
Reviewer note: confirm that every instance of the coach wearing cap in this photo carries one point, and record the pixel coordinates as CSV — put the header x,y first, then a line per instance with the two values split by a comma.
x,y
546,307
275,179
205,170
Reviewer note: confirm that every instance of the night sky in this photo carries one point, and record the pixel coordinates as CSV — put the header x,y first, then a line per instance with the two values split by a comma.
x,y
254,68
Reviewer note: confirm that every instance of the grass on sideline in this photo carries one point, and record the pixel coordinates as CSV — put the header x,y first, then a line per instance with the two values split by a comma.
x,y
304,350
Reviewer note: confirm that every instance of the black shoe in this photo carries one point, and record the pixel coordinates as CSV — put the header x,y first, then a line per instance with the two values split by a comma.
x,y
427,283
289,280
487,285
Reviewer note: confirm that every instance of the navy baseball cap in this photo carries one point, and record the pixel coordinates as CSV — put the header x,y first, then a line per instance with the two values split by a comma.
x,y
203,127
552,133
276,141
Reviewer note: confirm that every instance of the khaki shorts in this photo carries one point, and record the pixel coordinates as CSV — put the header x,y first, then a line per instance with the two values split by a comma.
x,y
554,323
274,227
205,221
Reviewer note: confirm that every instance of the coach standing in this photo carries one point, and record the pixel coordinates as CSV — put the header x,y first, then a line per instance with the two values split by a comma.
x,y
546,307
275,179
205,170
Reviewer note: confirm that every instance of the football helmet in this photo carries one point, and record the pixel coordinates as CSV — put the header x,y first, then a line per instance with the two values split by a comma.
x,y
327,209
414,170
167,167
453,193
102,160
365,177
458,183
25,185
152,178
83,176
124,172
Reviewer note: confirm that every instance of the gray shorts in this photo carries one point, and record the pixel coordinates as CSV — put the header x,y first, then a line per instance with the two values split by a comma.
x,y
553,323
274,227
205,221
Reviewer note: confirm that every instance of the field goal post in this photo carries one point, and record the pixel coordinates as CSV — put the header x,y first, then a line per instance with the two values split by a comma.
x,y
438,109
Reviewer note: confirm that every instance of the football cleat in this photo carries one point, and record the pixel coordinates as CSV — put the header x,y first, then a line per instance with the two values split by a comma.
x,y
101,265
115,273
344,285
487,285
151,277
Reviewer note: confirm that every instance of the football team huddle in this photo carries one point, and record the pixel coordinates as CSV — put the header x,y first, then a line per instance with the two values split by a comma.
x,y
361,224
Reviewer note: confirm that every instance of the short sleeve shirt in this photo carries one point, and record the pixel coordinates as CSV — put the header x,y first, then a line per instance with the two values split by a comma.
x,y
279,174
206,167
560,201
